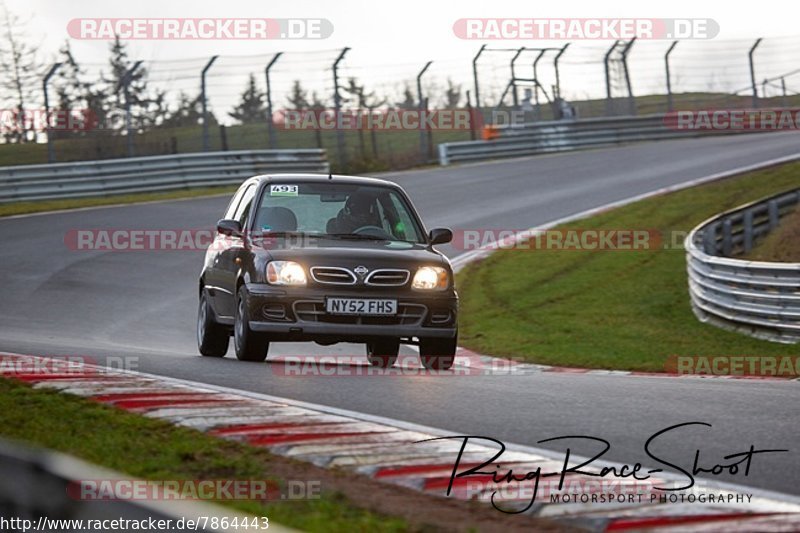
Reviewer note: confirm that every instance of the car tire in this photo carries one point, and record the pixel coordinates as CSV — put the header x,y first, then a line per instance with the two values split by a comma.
x,y
212,338
250,345
382,353
437,353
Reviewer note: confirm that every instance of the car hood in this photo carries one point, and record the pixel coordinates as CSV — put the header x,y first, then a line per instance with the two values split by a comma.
x,y
350,254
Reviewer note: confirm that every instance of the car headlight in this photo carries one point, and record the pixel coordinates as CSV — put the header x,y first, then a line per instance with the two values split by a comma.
x,y
430,278
285,273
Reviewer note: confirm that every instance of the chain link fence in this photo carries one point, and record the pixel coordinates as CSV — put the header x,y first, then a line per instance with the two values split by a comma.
x,y
241,102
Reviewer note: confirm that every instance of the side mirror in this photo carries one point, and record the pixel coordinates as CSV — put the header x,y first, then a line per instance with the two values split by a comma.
x,y
440,236
229,227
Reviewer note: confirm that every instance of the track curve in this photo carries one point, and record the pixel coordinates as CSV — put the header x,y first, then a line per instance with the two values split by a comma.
x,y
141,306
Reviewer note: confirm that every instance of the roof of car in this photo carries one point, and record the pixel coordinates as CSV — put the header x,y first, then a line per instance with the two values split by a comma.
x,y
335,178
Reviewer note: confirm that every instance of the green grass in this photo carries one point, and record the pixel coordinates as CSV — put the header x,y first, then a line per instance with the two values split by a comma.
x,y
609,309
19,208
657,103
395,149
156,450
782,244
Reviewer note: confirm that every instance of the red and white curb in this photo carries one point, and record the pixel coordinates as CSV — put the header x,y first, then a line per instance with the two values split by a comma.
x,y
390,451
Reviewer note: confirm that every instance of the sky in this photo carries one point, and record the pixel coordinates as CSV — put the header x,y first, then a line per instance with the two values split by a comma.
x,y
391,41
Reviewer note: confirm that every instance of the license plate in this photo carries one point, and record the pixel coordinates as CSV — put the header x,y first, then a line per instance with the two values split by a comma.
x,y
360,306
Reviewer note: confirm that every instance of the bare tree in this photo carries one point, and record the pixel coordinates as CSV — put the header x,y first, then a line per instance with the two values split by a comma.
x,y
408,102
318,108
452,95
19,72
74,95
144,106
365,101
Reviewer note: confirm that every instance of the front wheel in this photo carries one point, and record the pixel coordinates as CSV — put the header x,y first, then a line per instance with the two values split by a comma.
x,y
250,345
382,353
212,338
438,354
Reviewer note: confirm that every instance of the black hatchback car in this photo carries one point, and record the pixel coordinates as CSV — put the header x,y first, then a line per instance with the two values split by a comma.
x,y
327,259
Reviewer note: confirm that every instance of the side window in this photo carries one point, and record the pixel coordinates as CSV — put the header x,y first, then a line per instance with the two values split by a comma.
x,y
231,209
385,220
404,226
244,206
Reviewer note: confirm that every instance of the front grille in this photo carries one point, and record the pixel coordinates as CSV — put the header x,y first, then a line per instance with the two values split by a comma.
x,y
333,275
388,277
407,315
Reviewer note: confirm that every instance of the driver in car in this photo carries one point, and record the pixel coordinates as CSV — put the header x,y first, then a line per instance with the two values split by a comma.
x,y
360,210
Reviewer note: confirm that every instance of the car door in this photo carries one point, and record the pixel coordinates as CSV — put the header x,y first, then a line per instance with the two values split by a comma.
x,y
227,265
213,276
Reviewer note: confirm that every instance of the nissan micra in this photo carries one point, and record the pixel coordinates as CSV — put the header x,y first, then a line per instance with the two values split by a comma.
x,y
326,259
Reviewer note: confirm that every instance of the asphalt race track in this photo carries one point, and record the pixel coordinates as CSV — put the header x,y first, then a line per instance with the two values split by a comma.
x,y
142,305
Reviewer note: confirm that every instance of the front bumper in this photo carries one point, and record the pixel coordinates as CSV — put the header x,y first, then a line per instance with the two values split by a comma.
x,y
298,314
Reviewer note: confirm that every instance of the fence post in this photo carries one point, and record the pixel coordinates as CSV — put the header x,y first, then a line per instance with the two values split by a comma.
x,y
608,78
337,105
536,79
223,137
475,77
727,237
783,90
125,82
51,155
514,94
555,65
270,125
753,72
669,80
710,239
748,231
429,132
772,210
631,100
421,105
471,113
204,102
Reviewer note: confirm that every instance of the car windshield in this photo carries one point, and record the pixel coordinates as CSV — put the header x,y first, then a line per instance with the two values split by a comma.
x,y
341,211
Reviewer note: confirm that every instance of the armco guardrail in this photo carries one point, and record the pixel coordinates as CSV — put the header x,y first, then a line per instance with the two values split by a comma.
x,y
149,174
761,299
38,490
564,135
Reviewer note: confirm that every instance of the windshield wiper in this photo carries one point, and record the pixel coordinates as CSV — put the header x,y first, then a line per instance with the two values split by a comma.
x,y
356,236
287,234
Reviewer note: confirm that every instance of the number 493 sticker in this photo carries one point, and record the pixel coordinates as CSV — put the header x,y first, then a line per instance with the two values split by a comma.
x,y
283,190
